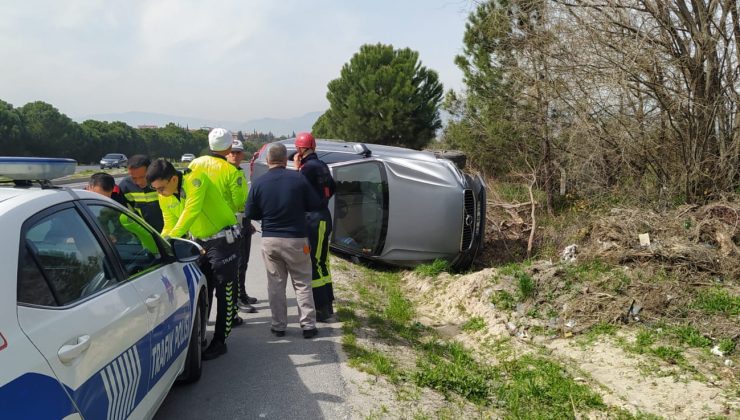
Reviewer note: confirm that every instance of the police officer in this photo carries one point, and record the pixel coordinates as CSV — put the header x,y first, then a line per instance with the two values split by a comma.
x,y
318,222
245,301
140,196
230,182
190,202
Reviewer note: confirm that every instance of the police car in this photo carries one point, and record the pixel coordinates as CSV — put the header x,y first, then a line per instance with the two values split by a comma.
x,y
99,315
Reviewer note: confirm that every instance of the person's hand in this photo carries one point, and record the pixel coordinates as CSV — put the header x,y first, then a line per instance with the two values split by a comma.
x,y
297,160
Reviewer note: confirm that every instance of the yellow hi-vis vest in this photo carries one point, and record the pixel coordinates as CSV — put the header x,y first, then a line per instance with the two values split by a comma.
x,y
230,181
199,210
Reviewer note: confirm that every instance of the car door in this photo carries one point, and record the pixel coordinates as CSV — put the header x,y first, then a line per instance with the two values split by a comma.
x,y
92,328
160,281
360,207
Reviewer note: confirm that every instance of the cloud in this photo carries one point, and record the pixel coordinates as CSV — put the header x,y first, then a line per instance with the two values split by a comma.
x,y
210,29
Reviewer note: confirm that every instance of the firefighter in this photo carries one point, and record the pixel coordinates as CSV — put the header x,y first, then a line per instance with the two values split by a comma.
x,y
318,222
191,203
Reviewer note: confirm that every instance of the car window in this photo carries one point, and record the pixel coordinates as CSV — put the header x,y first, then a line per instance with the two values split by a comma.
x,y
360,207
32,286
66,256
136,245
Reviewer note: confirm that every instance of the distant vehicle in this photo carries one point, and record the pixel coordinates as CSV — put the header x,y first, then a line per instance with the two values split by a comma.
x,y
99,315
187,157
113,160
397,205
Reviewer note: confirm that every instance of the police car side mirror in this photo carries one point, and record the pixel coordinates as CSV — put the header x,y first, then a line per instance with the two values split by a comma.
x,y
186,250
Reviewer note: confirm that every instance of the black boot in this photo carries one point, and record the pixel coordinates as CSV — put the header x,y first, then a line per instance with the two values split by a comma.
x,y
214,350
247,300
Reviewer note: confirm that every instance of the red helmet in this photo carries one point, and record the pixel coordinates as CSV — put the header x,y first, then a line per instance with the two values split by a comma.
x,y
305,140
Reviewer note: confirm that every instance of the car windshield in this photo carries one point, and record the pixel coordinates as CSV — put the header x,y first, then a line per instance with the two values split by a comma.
x,y
361,207
112,156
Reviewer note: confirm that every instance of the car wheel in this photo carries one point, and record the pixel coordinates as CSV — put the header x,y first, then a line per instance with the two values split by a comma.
x,y
102,167
456,156
194,361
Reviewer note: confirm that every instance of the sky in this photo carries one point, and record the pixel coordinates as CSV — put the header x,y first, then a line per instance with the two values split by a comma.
x,y
221,59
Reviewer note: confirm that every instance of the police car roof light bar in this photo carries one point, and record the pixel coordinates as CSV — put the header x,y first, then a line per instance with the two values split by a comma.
x,y
24,170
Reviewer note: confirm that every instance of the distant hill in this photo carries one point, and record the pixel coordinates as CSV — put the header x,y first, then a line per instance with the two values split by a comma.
x,y
276,126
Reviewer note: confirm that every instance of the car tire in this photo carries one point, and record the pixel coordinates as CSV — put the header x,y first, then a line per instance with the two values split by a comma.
x,y
194,360
102,167
456,156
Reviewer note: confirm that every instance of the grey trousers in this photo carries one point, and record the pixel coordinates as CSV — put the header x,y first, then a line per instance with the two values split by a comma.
x,y
283,256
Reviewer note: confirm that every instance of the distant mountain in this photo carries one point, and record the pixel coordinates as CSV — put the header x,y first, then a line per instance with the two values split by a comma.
x,y
276,126
281,127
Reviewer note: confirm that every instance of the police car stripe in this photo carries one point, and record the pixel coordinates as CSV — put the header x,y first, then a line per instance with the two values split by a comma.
x,y
121,380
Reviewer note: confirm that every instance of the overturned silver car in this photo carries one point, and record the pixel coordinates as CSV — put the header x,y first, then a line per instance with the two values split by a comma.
x,y
399,206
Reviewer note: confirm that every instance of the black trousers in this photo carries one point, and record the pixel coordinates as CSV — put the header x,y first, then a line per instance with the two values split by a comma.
x,y
245,248
319,230
219,265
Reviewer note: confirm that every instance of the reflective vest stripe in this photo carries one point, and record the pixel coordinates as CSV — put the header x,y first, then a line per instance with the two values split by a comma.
x,y
141,197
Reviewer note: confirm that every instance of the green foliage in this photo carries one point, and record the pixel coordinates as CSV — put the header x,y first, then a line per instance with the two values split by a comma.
x,y
602,328
669,354
644,339
503,300
383,96
39,129
586,272
717,300
475,323
726,345
449,368
526,286
687,334
541,389
370,361
433,269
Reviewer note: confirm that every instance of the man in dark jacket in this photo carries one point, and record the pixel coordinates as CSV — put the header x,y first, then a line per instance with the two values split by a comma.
x,y
141,197
318,222
280,198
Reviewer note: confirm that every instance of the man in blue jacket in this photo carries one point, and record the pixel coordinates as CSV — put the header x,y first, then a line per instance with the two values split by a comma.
x,y
281,198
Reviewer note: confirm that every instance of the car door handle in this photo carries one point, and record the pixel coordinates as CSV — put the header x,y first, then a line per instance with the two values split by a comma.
x,y
152,302
69,352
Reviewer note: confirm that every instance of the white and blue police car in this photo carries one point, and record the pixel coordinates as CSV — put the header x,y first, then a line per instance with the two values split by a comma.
x,y
99,315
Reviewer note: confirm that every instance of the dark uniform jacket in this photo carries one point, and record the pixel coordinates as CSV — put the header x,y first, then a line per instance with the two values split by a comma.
x,y
144,201
319,176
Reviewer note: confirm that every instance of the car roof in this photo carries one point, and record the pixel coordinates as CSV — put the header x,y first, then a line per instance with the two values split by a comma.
x,y
324,146
12,197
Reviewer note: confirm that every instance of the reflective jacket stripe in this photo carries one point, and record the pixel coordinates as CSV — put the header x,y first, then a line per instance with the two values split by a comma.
x,y
141,197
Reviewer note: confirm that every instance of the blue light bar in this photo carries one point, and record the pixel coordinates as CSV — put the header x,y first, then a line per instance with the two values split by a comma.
x,y
35,168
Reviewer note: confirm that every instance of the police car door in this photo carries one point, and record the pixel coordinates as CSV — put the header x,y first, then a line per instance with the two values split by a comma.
x,y
164,285
93,331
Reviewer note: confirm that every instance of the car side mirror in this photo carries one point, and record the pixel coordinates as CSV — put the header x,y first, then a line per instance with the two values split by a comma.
x,y
186,250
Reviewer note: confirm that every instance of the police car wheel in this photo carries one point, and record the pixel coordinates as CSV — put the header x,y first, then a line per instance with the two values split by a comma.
x,y
193,361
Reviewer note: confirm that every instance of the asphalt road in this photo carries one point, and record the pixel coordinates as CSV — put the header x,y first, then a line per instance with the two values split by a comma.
x,y
263,376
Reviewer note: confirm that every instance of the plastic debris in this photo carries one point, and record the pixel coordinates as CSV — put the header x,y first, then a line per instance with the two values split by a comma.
x,y
644,239
569,253
716,351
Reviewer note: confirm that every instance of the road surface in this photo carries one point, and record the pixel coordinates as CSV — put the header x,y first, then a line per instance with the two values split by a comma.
x,y
263,376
